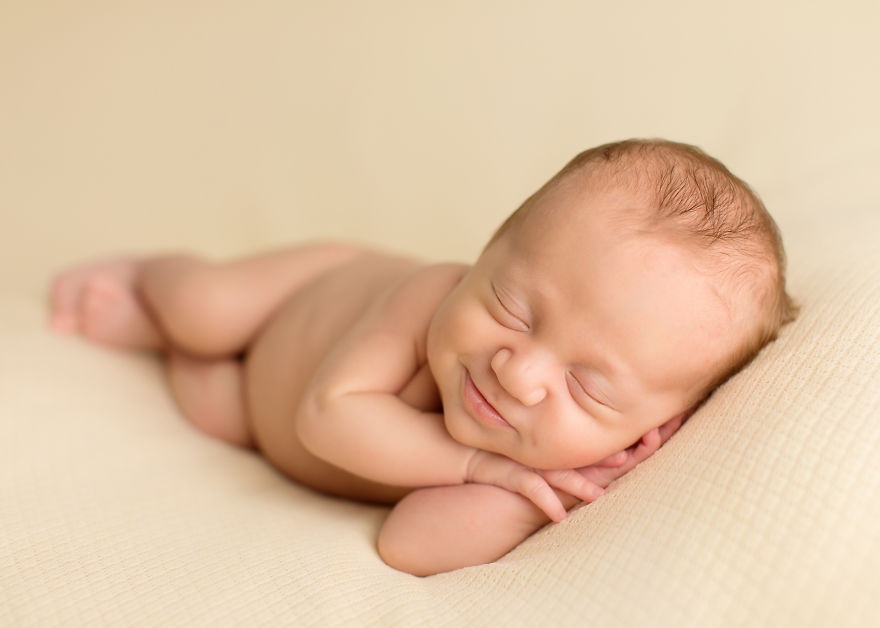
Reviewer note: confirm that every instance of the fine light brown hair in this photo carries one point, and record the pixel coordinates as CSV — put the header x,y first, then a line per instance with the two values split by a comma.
x,y
695,199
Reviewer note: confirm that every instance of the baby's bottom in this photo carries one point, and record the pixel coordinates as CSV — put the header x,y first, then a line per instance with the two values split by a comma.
x,y
200,314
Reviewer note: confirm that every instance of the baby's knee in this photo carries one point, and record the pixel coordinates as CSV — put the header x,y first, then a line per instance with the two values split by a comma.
x,y
189,304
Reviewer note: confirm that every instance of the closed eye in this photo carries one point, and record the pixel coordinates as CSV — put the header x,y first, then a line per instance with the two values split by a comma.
x,y
579,390
511,319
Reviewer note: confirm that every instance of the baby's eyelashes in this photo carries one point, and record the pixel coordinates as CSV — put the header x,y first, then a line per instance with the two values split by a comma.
x,y
581,391
510,312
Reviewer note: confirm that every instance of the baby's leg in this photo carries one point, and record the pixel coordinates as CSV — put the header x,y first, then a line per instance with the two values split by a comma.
x,y
210,393
216,309
203,315
184,303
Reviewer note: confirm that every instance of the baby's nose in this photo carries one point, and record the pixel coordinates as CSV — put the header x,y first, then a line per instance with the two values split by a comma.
x,y
519,376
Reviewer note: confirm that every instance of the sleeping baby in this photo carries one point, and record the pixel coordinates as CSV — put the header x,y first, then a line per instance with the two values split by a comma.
x,y
481,400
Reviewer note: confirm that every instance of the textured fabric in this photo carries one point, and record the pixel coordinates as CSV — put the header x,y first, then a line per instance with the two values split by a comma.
x,y
152,125
765,507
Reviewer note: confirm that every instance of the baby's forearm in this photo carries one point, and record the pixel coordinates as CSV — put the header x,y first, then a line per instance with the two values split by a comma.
x,y
377,436
444,528
433,530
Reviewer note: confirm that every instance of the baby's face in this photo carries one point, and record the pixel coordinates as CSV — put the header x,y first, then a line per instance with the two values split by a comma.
x,y
570,338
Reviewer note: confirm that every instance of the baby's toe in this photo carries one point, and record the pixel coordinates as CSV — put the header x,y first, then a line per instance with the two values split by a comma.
x,y
64,303
100,298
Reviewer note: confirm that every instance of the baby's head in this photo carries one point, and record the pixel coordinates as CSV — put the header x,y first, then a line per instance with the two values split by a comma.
x,y
691,199
618,296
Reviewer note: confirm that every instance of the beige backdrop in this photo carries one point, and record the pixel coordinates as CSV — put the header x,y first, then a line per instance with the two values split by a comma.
x,y
229,125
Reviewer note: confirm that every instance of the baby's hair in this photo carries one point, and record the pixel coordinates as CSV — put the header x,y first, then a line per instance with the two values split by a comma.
x,y
695,199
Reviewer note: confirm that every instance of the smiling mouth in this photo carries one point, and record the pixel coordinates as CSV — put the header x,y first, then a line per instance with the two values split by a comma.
x,y
479,407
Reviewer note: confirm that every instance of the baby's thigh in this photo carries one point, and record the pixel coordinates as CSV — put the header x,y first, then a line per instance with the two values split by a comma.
x,y
210,394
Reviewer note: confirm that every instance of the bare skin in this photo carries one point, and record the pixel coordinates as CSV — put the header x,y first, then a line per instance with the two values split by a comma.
x,y
225,367
453,391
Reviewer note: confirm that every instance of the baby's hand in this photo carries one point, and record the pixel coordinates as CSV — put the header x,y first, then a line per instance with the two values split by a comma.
x,y
616,465
585,483
533,484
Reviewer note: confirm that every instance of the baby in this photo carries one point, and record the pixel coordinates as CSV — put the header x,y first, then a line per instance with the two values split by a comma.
x,y
482,400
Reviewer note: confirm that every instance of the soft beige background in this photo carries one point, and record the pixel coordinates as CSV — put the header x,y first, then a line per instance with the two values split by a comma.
x,y
229,126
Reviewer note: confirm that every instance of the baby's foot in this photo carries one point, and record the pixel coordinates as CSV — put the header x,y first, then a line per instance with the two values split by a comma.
x,y
99,301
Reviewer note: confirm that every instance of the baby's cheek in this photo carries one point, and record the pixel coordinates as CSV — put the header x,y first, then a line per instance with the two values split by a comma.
x,y
450,328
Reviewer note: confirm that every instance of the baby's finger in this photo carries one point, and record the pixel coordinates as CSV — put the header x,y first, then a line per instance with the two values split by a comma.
x,y
649,444
63,304
651,440
534,487
671,427
574,483
614,460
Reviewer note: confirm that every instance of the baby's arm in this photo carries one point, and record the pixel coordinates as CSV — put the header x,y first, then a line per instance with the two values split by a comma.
x,y
353,417
433,530
442,528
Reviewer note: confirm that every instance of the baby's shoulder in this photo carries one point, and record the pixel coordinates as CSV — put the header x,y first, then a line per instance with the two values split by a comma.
x,y
399,297
435,280
421,292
